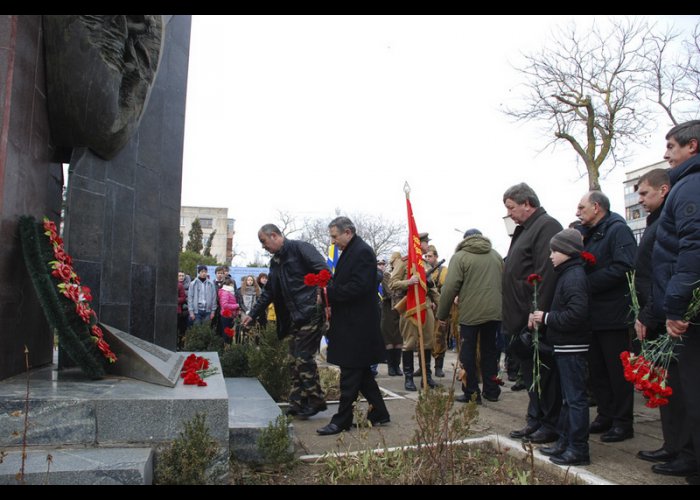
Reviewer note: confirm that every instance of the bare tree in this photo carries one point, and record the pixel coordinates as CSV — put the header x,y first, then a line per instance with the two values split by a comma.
x,y
674,77
287,223
588,90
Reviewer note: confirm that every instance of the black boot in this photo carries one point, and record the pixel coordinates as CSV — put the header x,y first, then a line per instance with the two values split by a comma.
x,y
439,361
431,383
409,385
418,372
396,359
391,371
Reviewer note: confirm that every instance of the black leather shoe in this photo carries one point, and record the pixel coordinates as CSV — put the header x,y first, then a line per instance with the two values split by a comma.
x,y
678,467
330,429
617,434
552,451
660,455
439,372
541,436
525,431
568,458
310,411
293,410
493,399
599,426
518,387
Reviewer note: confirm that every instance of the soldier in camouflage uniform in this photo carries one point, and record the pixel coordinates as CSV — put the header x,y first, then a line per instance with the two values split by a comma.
x,y
409,330
298,314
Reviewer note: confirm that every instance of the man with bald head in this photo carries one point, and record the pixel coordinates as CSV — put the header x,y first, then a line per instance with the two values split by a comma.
x,y
607,236
297,314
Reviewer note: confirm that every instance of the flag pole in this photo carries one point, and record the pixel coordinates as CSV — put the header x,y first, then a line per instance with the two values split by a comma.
x,y
419,323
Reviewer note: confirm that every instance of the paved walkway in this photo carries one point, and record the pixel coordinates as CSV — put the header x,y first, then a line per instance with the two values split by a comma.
x,y
615,462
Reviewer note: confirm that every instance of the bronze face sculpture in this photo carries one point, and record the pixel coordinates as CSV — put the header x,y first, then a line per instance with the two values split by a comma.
x,y
99,75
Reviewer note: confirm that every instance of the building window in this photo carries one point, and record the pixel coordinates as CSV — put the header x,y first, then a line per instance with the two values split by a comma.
x,y
206,223
182,221
636,214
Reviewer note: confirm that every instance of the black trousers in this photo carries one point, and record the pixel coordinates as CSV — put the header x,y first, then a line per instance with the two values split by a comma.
x,y
689,370
614,395
352,382
543,408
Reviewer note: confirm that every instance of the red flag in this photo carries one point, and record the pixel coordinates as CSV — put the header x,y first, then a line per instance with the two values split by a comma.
x,y
415,263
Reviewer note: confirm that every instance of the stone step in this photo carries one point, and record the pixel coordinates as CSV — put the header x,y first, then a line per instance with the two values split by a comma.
x,y
250,411
66,408
80,466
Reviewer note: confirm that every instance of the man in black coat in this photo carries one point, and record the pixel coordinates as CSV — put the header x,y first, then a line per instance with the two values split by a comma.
x,y
653,187
676,272
607,236
354,339
529,254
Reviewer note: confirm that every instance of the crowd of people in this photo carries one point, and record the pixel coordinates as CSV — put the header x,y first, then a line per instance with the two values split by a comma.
x,y
221,303
563,292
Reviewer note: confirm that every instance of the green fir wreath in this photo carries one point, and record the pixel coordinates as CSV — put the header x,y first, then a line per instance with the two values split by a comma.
x,y
66,302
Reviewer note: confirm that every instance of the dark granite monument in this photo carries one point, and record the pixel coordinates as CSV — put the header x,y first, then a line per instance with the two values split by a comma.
x,y
123,199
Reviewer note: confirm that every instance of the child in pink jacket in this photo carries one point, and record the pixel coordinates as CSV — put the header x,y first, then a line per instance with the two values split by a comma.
x,y
229,308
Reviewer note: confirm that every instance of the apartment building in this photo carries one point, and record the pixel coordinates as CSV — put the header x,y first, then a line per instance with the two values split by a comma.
x,y
211,218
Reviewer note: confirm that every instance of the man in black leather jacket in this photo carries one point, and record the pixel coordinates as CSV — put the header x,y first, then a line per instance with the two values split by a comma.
x,y
298,314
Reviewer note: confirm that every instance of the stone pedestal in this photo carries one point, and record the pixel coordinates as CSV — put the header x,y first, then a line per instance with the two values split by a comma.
x,y
66,408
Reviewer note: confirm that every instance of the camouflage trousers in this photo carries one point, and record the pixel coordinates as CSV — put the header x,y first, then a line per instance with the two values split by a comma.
x,y
439,340
306,385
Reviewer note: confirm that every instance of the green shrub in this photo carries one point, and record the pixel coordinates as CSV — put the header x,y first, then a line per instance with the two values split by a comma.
x,y
202,338
234,360
274,442
269,362
190,456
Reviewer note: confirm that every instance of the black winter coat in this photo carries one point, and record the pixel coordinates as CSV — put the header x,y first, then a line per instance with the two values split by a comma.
x,y
676,254
528,254
569,320
643,271
613,245
295,302
354,338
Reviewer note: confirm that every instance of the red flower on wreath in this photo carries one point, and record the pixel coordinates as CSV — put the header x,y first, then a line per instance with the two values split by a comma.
x,y
588,258
71,288
61,271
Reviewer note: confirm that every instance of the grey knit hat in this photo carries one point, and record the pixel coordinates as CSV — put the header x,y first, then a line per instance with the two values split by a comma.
x,y
567,241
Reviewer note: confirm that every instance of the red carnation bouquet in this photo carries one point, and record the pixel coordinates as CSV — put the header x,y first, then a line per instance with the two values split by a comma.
x,y
195,369
321,280
648,371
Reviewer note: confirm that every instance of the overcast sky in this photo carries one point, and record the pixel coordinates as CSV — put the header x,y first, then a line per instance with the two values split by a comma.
x,y
307,114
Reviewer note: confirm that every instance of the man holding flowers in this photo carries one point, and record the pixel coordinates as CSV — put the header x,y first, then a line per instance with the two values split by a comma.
x,y
652,188
529,254
676,264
